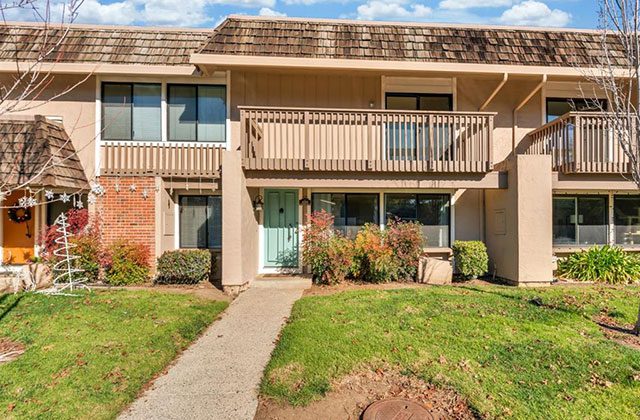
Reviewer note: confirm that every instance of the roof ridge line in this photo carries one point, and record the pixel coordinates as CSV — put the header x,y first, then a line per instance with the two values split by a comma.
x,y
102,27
450,25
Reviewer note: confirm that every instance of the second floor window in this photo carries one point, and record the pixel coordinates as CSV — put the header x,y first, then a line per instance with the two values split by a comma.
x,y
131,111
197,113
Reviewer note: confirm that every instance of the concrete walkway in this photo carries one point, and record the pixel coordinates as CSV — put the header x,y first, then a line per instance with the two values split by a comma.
x,y
218,376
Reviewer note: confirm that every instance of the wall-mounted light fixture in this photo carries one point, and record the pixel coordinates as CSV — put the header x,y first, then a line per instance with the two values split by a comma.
x,y
258,202
304,201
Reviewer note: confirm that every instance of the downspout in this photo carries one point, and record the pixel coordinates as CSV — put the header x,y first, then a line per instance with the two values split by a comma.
x,y
486,103
520,105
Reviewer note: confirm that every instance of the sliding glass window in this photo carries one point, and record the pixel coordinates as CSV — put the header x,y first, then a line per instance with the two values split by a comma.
x,y
201,221
557,107
402,137
197,113
430,210
131,111
626,210
351,211
580,220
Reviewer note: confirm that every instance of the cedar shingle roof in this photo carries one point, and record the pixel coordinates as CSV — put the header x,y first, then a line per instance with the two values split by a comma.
x,y
29,146
113,45
406,42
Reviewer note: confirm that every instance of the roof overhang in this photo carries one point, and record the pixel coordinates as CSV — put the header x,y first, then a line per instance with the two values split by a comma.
x,y
240,61
97,68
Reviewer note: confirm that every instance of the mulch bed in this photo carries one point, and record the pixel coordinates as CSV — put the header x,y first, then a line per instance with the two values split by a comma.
x,y
10,350
352,394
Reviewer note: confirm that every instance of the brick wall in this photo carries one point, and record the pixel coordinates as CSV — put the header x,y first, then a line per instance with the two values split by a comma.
x,y
127,214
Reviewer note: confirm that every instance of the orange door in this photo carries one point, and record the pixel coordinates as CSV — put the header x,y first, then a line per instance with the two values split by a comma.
x,y
18,238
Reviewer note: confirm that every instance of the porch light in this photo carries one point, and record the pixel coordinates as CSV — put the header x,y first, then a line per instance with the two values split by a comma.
x,y
257,203
304,201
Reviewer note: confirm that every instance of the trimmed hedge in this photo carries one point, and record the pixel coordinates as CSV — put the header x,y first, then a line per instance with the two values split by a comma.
x,y
185,266
127,264
471,258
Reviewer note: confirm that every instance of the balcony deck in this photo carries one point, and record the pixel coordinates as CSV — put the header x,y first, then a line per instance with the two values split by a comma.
x,y
161,159
302,139
581,142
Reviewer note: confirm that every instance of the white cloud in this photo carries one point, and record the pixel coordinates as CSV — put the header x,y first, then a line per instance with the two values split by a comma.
x,y
265,11
534,13
393,10
473,4
244,3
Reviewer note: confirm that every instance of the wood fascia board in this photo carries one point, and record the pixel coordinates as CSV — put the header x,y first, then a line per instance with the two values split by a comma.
x,y
224,60
97,68
278,179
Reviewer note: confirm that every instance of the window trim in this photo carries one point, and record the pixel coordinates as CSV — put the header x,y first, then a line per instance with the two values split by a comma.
x,y
346,203
179,235
558,98
417,195
102,116
614,225
575,197
196,85
417,97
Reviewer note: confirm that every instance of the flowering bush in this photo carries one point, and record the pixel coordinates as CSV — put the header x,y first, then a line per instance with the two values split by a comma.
x,y
186,266
328,253
405,241
127,263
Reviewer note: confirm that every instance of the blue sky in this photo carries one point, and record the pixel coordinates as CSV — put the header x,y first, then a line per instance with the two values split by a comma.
x,y
207,13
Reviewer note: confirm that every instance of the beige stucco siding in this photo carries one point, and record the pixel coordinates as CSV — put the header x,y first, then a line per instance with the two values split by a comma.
x,y
76,108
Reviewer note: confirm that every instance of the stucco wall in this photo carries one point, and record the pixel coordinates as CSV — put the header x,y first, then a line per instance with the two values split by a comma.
x,y
519,222
240,227
77,109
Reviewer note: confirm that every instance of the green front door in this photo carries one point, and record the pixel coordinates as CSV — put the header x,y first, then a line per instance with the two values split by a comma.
x,y
281,228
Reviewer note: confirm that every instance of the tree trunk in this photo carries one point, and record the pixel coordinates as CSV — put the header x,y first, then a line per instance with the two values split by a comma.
x,y
636,328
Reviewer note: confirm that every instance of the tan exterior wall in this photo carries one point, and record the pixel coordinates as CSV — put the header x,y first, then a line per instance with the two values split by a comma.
x,y
76,108
469,215
306,90
240,227
519,223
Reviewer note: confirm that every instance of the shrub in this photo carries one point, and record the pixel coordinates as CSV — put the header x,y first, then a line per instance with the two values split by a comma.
x,y
188,266
328,254
606,264
470,258
375,261
126,264
90,252
78,220
405,240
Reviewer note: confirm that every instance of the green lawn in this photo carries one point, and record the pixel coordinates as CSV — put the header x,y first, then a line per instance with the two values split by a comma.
x,y
508,357
88,357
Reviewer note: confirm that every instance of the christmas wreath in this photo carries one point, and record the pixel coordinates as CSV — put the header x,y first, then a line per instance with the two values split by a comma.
x,y
19,214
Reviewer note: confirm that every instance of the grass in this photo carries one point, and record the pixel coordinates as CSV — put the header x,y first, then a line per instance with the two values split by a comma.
x,y
507,356
89,356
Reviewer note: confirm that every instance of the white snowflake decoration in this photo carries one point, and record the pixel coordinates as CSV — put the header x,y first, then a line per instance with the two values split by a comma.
x,y
97,190
65,198
145,193
48,194
91,198
27,202
79,204
132,187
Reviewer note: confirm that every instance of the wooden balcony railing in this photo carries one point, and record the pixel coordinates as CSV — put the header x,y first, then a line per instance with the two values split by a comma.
x,y
581,142
366,140
161,159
